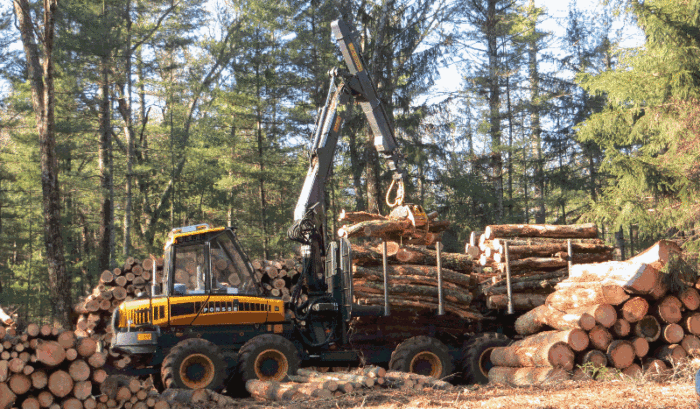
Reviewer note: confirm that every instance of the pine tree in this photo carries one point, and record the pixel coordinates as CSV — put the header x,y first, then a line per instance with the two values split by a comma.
x,y
650,126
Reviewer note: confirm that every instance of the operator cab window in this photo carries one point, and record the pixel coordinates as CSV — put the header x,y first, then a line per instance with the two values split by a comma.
x,y
190,270
229,272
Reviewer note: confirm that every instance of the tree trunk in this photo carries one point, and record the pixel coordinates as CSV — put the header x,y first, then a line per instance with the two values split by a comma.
x,y
534,320
620,354
41,74
521,301
595,293
635,277
106,166
635,309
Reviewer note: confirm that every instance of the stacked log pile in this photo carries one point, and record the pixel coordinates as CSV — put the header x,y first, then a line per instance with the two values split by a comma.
x,y
279,278
413,279
538,259
397,227
308,384
44,366
630,316
119,391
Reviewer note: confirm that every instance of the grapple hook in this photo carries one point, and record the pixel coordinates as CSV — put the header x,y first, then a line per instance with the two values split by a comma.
x,y
398,199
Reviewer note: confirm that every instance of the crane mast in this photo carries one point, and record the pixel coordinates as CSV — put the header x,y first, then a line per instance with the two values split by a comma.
x,y
355,83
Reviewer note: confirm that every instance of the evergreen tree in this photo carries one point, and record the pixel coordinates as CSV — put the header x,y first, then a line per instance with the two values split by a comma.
x,y
648,131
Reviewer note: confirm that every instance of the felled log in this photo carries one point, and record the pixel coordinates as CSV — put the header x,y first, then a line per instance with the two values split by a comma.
x,y
459,309
429,272
594,357
691,323
524,286
533,263
534,320
620,354
555,354
635,309
636,278
577,339
600,338
659,254
552,248
357,217
429,292
417,255
521,301
668,310
641,346
621,328
648,328
583,296
527,376
582,231
671,354
691,344
418,380
672,333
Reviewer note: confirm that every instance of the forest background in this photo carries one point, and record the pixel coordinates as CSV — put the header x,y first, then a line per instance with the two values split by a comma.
x,y
121,119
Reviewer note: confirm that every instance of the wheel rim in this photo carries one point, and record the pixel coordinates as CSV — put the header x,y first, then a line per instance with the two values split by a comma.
x,y
271,365
485,361
426,363
197,371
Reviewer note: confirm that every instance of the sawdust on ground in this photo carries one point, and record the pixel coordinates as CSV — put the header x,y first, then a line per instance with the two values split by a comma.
x,y
567,395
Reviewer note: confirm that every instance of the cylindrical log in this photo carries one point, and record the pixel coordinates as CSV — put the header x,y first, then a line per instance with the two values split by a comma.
x,y
19,383
691,323
576,338
600,338
648,328
594,357
691,344
521,301
50,353
39,379
633,371
82,390
671,354
575,231
641,346
634,309
635,278
654,366
557,354
672,333
60,383
620,354
45,399
577,297
690,298
534,320
79,370
621,328
668,310
527,376
603,314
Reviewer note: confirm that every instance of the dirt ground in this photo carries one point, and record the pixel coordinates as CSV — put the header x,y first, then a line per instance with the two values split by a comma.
x,y
569,395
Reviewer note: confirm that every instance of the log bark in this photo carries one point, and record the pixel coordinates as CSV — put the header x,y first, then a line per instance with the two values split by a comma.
x,y
578,297
413,289
521,301
524,286
527,376
635,309
534,320
648,328
620,354
533,263
556,354
452,261
357,217
578,231
600,338
577,339
429,272
550,249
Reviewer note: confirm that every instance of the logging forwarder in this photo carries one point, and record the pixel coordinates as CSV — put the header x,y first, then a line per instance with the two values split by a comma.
x,y
207,323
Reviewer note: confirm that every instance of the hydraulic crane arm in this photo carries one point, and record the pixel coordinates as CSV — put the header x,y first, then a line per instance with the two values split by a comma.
x,y
343,86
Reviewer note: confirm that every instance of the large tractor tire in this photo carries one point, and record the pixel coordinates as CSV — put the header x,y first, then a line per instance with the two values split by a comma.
x,y
194,364
267,357
476,356
422,355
